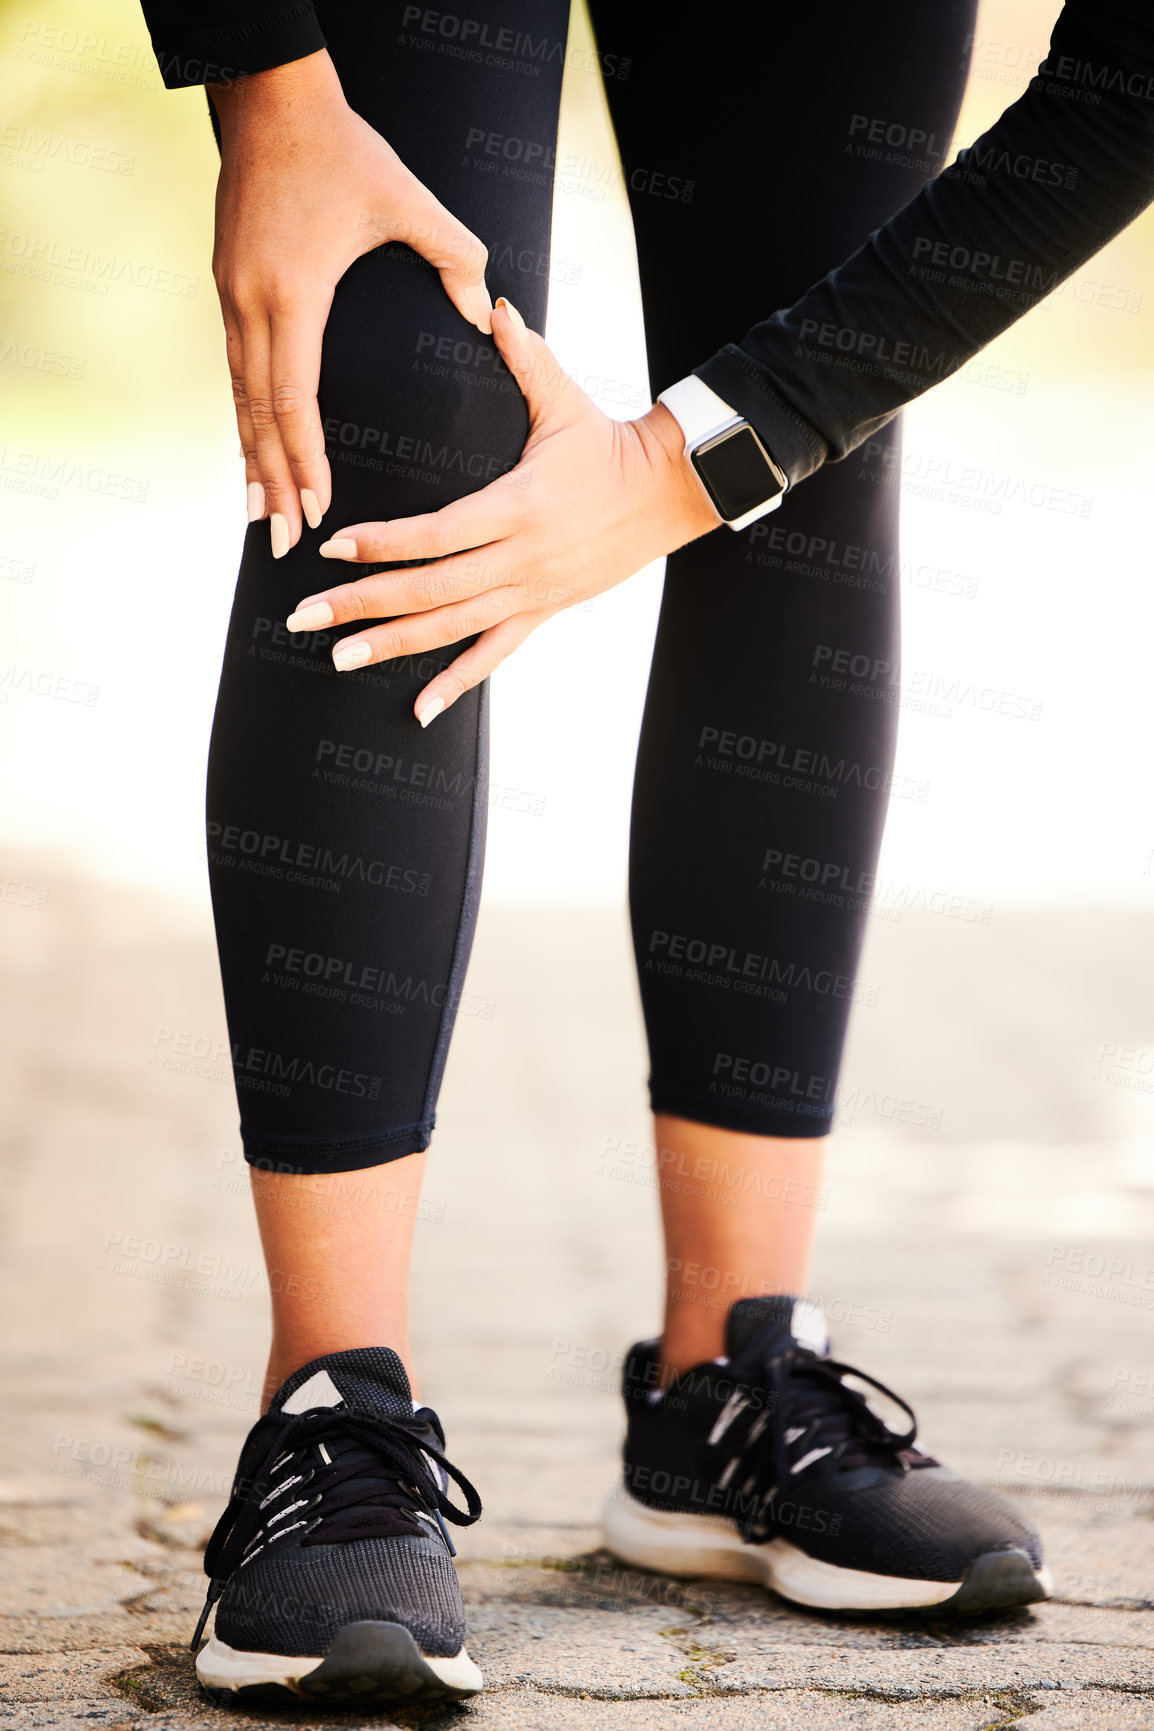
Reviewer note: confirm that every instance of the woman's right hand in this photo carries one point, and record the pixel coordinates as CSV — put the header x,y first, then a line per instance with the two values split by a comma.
x,y
306,186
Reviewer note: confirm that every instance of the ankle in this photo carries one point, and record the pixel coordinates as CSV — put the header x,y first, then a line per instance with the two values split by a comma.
x,y
696,1334
286,1358
683,1347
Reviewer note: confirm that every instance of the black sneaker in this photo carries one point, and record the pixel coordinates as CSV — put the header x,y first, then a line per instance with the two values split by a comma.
x,y
331,1569
767,1466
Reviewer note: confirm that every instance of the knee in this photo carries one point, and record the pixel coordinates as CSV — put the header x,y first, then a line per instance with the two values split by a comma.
x,y
417,407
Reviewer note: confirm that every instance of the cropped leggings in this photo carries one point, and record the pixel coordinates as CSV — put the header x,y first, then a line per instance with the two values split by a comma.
x,y
760,144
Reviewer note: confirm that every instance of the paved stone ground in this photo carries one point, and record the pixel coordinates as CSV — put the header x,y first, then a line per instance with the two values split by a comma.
x,y
985,1250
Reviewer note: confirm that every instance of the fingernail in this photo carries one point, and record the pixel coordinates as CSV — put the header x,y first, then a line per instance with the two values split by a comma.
x,y
311,506
480,309
278,530
430,711
311,617
341,548
512,311
346,656
255,501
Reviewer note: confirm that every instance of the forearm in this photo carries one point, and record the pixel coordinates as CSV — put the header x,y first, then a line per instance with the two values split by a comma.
x,y
1050,183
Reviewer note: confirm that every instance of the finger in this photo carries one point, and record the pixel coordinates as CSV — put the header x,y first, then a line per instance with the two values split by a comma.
x,y
420,589
476,663
453,250
234,350
474,522
545,385
295,366
282,501
417,633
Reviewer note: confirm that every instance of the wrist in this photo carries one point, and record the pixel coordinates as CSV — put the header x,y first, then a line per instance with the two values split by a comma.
x,y
664,444
297,85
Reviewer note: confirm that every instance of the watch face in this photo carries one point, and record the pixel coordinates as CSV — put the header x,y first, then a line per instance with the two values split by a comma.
x,y
737,472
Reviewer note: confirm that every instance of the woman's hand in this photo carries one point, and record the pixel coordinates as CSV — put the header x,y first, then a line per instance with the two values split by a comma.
x,y
590,502
306,186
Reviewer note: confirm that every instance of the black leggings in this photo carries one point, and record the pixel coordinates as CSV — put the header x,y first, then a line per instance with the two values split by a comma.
x,y
346,844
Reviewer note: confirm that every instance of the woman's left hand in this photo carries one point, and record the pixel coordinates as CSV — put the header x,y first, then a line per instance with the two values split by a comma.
x,y
591,501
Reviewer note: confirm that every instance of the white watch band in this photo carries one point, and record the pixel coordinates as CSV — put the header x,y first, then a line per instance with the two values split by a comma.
x,y
698,411
702,414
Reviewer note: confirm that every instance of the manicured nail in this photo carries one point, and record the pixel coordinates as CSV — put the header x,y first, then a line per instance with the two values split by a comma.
x,y
311,507
512,311
479,309
255,501
430,711
346,656
278,530
310,617
341,548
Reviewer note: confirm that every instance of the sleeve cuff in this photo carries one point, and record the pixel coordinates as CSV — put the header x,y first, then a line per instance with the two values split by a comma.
x,y
234,51
794,443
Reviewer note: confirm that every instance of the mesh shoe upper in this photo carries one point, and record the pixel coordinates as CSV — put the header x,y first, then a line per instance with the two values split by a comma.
x,y
773,1438
294,1599
337,1516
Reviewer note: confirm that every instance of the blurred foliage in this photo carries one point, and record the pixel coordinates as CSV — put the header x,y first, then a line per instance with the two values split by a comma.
x,y
106,172
108,183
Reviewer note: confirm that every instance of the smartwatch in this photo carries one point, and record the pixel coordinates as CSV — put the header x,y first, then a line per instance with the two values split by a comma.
x,y
742,479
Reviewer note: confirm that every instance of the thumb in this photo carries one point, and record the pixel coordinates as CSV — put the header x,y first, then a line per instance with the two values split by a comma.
x,y
452,249
545,385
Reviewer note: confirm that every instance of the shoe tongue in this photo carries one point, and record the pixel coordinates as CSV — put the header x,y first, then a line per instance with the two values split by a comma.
x,y
367,1379
772,1323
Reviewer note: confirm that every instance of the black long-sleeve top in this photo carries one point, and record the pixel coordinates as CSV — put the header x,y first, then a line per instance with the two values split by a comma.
x,y
986,240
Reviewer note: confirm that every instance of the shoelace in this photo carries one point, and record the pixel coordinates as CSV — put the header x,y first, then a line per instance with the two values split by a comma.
x,y
795,1401
331,1491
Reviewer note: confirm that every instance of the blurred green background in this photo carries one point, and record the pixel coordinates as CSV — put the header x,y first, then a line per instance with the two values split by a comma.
x,y
122,497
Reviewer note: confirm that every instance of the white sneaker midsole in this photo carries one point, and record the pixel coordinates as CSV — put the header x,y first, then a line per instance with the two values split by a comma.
x,y
220,1666
710,1546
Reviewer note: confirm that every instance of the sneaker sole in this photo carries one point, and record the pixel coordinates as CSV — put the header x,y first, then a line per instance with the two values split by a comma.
x,y
707,1546
367,1662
